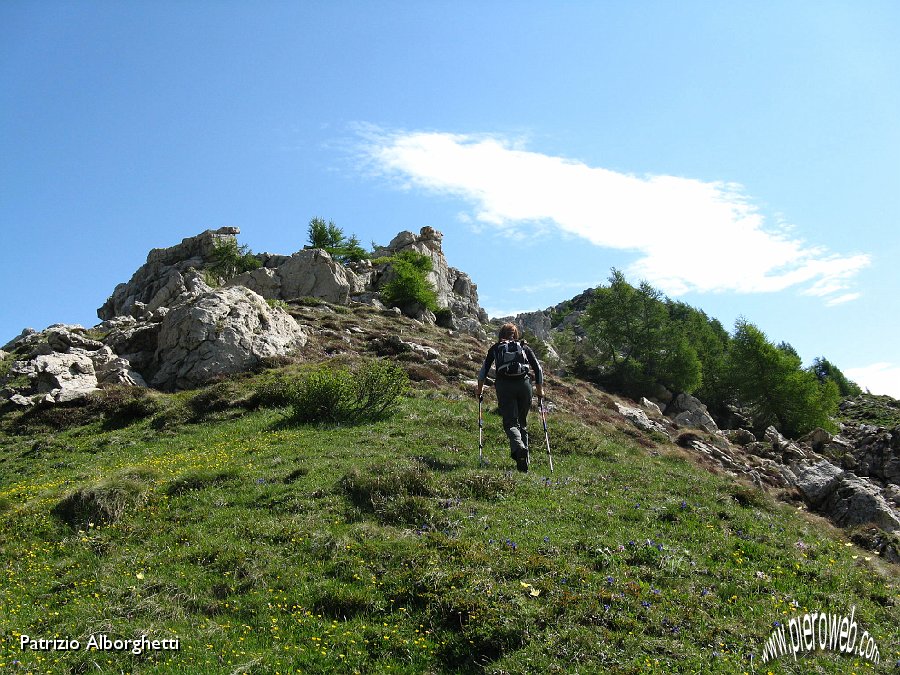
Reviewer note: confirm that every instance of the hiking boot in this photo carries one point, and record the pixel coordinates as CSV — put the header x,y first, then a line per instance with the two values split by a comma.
x,y
522,461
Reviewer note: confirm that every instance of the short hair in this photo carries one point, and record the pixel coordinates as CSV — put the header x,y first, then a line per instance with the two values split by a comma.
x,y
508,331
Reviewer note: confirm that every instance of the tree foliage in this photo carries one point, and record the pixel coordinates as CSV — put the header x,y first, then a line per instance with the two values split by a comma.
x,y
637,343
770,381
331,238
409,285
229,259
826,371
637,339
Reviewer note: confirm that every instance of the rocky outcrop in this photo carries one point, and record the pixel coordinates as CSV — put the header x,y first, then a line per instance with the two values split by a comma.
x,y
221,332
870,451
161,281
62,364
308,273
850,478
641,420
455,290
167,326
537,323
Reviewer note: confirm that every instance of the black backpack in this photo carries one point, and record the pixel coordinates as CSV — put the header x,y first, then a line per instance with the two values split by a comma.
x,y
510,359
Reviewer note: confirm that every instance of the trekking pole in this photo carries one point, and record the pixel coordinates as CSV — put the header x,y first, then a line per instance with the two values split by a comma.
x,y
546,433
480,432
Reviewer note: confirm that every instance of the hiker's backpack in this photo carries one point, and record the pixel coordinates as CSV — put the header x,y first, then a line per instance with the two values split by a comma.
x,y
510,359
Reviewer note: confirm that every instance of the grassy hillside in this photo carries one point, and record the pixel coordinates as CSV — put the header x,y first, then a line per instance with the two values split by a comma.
x,y
267,548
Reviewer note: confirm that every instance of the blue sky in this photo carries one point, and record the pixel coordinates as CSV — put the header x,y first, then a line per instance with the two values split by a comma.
x,y
742,157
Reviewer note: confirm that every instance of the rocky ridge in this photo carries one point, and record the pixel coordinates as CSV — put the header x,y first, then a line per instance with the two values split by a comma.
x,y
169,328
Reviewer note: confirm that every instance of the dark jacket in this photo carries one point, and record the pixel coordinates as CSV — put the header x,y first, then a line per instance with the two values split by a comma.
x,y
529,354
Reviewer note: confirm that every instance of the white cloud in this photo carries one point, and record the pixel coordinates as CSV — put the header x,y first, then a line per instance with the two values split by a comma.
x,y
841,299
879,378
690,234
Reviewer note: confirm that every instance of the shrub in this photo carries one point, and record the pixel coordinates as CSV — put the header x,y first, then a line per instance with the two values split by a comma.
x,y
410,285
217,398
229,259
338,395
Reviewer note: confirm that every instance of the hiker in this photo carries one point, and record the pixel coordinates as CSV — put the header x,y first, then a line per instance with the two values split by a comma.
x,y
513,359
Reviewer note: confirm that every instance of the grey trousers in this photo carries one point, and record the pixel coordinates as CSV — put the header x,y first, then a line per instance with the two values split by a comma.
x,y
514,399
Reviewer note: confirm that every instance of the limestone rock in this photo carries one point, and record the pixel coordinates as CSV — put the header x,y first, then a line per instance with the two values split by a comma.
x,y
221,332
639,419
307,273
402,346
687,411
63,376
472,327
817,481
740,436
20,339
650,407
856,501
817,438
61,340
870,451
161,280
454,289
112,369
537,323
136,342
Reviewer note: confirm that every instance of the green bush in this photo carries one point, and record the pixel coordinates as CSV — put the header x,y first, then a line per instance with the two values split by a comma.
x,y
337,394
410,285
229,259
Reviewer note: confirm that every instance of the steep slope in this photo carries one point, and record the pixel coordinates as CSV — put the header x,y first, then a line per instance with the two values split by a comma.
x,y
265,547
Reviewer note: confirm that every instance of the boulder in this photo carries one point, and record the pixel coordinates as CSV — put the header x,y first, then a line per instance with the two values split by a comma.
x,y
537,323
112,369
687,411
307,273
740,436
221,332
264,281
817,438
472,327
639,419
817,481
62,340
61,376
856,501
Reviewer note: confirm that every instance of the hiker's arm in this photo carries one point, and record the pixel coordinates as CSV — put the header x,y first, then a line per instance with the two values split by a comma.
x,y
538,373
485,368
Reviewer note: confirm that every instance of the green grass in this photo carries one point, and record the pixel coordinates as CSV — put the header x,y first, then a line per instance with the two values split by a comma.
x,y
385,548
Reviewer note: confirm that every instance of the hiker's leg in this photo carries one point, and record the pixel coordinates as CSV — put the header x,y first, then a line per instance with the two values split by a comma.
x,y
524,405
508,398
